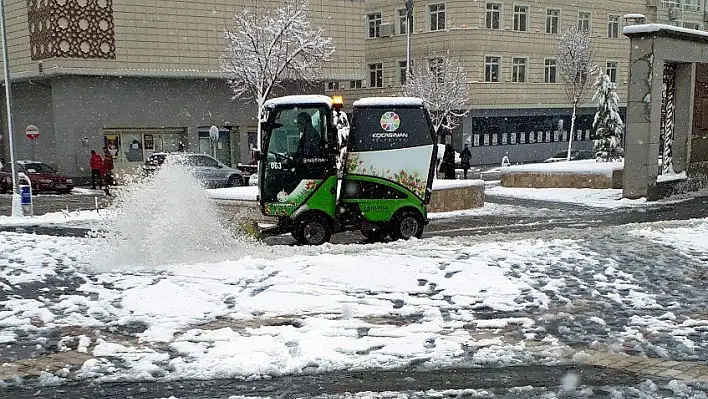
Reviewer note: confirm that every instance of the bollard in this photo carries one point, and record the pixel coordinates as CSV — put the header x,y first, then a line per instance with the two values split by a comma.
x,y
26,199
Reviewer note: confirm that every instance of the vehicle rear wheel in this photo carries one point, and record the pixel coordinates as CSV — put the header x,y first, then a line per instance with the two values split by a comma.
x,y
235,181
376,235
313,229
406,225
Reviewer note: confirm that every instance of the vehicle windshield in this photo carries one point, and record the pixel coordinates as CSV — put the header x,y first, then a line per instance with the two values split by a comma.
x,y
38,167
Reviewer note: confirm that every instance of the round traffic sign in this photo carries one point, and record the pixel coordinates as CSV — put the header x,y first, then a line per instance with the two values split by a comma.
x,y
214,133
32,132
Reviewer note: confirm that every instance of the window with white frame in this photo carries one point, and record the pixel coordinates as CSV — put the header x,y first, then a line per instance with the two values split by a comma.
x,y
402,21
333,86
494,15
355,84
550,69
376,75
611,69
436,67
518,69
692,5
374,21
402,72
436,13
552,20
584,21
613,26
491,68
669,3
521,18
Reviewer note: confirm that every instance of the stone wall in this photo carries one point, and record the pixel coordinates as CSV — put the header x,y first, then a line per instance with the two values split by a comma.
x,y
561,180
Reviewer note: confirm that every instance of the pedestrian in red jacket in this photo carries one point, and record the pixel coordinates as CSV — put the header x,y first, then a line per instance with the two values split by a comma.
x,y
96,164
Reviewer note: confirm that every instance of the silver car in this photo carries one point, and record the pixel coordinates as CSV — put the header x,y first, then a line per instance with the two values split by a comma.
x,y
208,170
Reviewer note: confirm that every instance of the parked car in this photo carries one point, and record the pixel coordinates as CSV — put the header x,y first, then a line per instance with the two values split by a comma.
x,y
43,178
574,156
208,170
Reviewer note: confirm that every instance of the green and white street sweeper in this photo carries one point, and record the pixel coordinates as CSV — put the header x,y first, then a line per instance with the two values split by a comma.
x,y
317,179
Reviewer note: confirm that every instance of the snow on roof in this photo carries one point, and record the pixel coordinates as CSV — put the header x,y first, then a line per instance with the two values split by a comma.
x,y
389,102
299,99
649,28
581,167
633,16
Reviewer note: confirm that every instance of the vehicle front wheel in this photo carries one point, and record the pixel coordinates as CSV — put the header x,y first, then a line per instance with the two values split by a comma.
x,y
313,229
406,225
235,181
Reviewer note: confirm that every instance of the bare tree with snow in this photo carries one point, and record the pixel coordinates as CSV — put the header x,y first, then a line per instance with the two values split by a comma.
x,y
440,80
608,125
575,67
269,46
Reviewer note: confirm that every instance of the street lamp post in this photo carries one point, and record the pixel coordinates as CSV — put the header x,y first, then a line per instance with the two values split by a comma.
x,y
16,203
409,27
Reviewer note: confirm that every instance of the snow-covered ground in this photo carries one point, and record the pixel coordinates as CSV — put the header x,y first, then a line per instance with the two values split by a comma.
x,y
57,218
280,310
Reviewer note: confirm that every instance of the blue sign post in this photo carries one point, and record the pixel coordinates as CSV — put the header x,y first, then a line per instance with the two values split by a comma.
x,y
26,199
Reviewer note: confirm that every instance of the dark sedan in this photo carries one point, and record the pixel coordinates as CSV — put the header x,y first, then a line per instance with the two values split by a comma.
x,y
43,177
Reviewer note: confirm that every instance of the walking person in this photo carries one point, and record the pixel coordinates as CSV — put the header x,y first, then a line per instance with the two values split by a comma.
x,y
465,157
96,164
448,162
107,170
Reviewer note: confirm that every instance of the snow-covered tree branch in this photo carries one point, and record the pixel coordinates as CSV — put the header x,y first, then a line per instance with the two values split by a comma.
x,y
575,67
608,125
267,47
441,81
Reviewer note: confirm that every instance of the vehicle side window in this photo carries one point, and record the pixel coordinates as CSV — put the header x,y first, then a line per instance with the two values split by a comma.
x,y
369,190
210,162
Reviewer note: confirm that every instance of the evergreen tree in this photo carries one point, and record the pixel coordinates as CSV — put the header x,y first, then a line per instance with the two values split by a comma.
x,y
608,125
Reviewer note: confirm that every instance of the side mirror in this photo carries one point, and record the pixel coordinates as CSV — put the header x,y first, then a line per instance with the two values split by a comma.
x,y
220,165
257,155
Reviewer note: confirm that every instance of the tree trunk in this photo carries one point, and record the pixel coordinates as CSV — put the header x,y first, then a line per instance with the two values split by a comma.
x,y
572,131
259,104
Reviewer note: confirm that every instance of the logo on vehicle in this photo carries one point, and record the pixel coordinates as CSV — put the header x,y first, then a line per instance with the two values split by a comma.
x,y
282,196
390,121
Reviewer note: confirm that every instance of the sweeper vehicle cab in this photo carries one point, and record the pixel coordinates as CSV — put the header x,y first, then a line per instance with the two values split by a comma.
x,y
320,174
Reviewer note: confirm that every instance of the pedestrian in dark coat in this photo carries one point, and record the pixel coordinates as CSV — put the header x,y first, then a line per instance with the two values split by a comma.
x,y
448,162
465,157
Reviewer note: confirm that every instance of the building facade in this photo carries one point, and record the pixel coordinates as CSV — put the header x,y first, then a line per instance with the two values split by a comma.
x,y
140,76
517,104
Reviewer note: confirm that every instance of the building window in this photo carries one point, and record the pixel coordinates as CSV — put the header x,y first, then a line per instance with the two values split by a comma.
x,y
521,18
491,69
402,72
691,5
692,25
355,84
333,86
584,21
436,67
402,22
550,70
613,26
669,3
611,70
437,16
518,70
552,21
374,21
494,15
376,75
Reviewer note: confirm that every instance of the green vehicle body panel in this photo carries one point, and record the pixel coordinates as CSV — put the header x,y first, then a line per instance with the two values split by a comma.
x,y
324,199
382,210
316,194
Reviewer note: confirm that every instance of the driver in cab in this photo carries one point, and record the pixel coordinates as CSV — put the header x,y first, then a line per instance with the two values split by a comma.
x,y
309,145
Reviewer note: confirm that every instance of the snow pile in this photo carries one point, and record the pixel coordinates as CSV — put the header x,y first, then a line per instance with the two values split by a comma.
x,y
58,218
593,197
580,167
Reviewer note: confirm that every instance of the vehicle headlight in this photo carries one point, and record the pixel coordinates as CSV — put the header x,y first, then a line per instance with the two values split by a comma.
x,y
69,181
43,181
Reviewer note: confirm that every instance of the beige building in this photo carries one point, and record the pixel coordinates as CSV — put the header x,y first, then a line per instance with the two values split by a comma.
x,y
141,76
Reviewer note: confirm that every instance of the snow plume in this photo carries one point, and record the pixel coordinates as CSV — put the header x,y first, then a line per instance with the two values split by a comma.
x,y
608,125
440,80
165,219
268,46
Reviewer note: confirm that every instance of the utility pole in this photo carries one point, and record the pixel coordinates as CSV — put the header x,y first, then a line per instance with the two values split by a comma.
x,y
16,202
409,28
